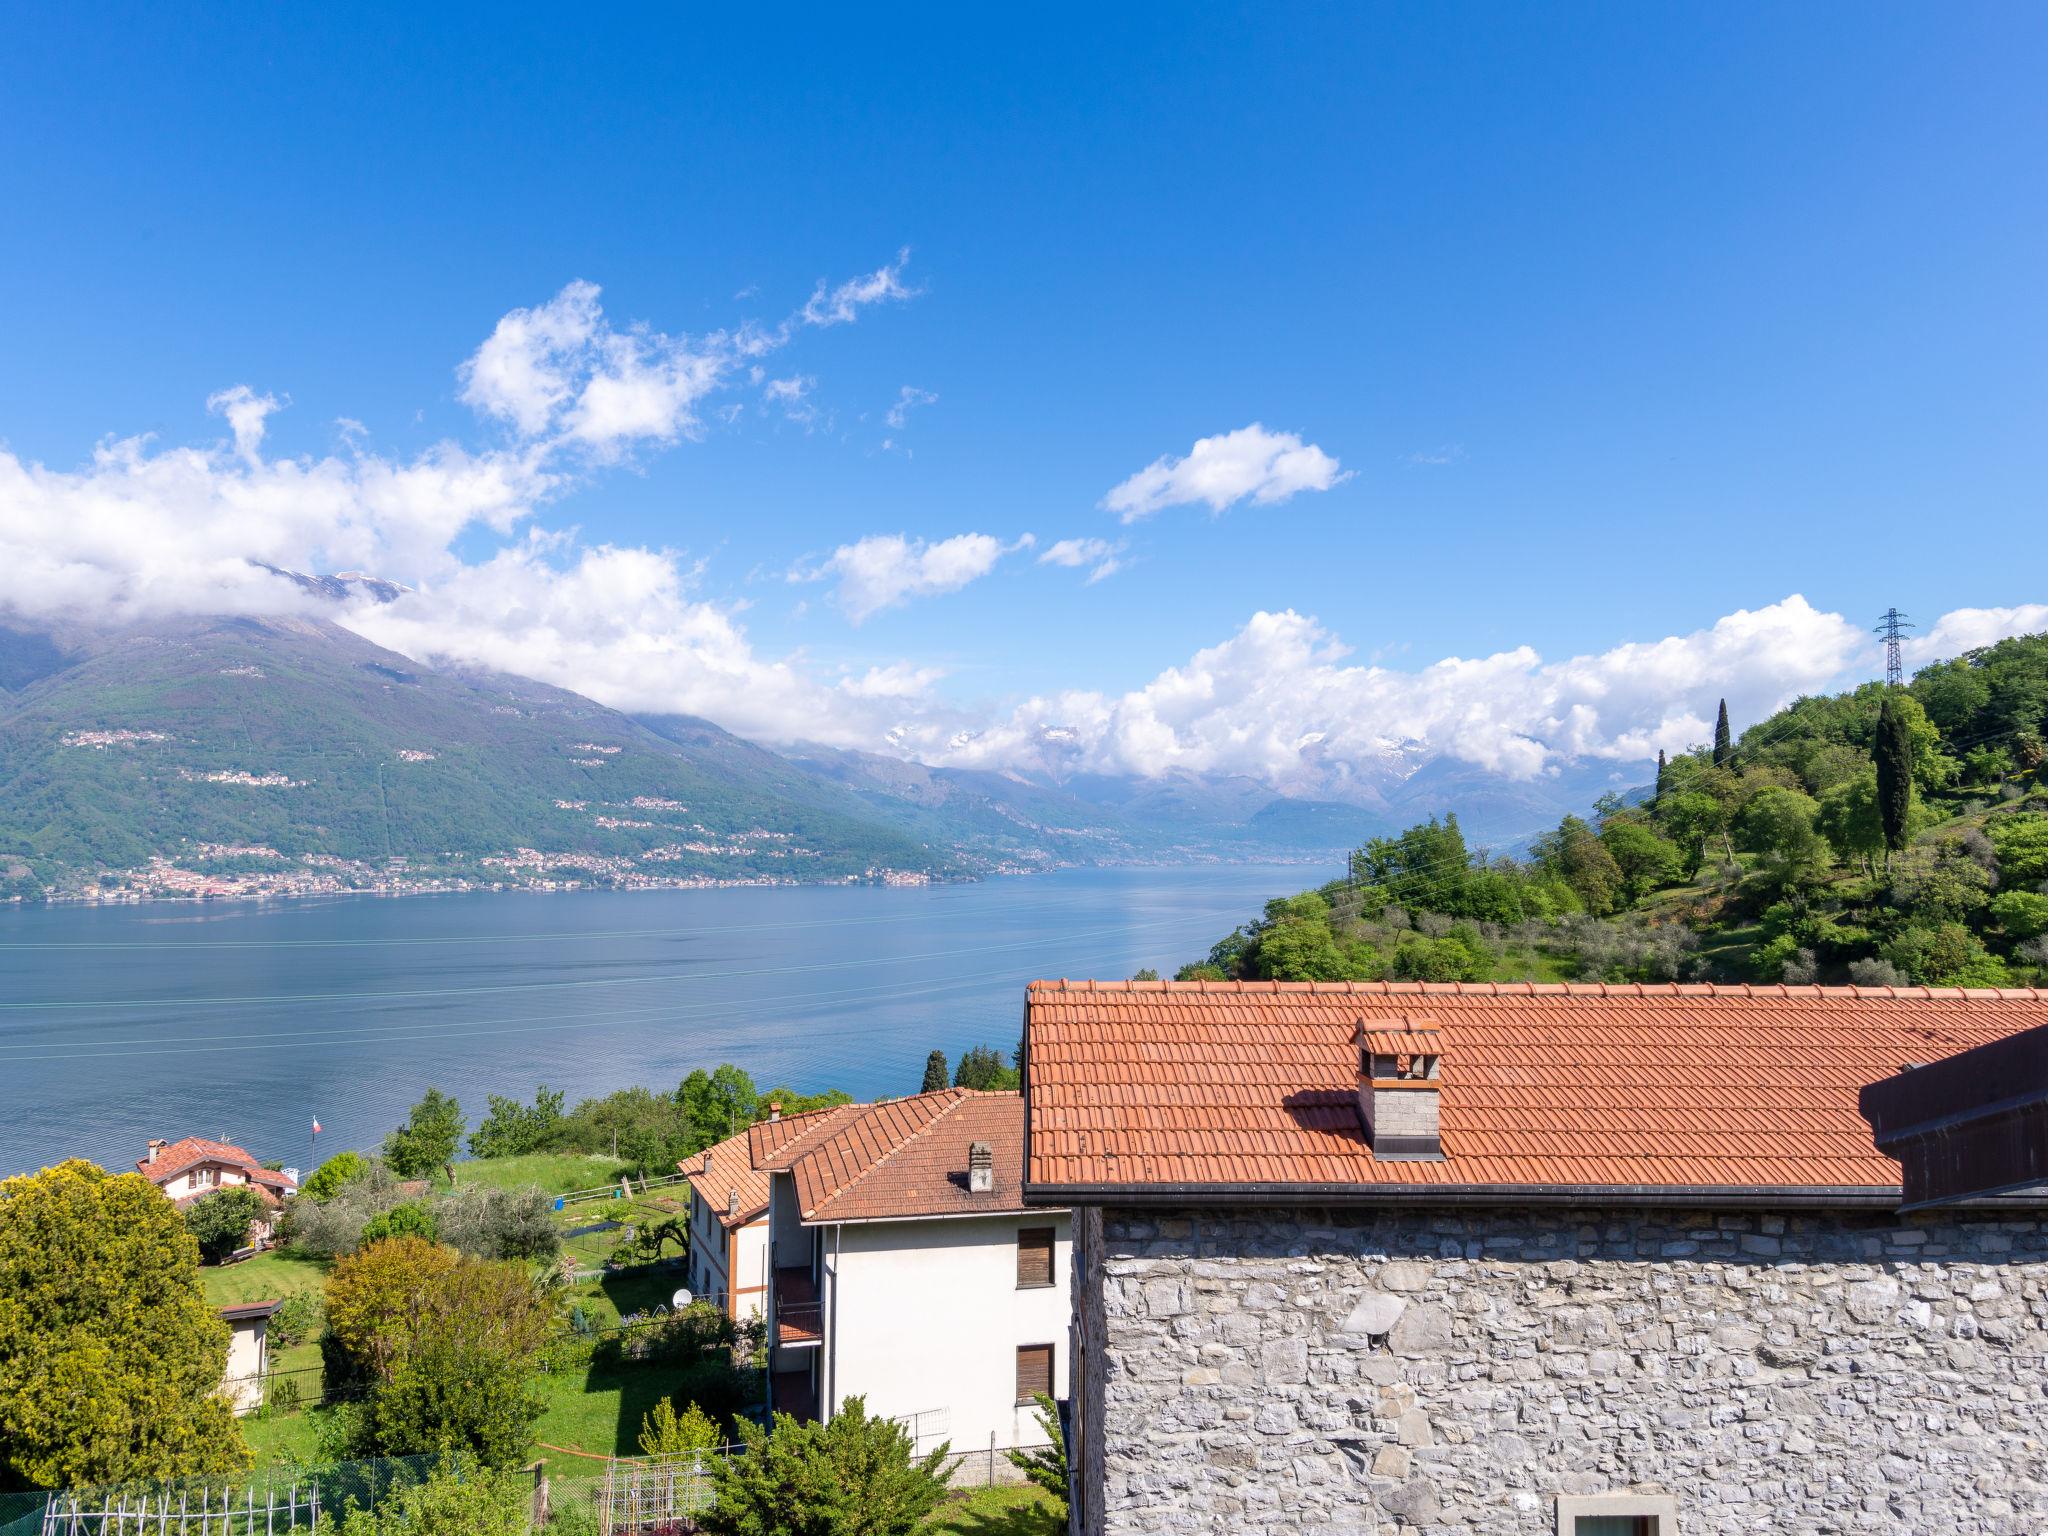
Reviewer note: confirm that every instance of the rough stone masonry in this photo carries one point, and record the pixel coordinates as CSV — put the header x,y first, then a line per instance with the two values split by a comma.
x,y
1353,1372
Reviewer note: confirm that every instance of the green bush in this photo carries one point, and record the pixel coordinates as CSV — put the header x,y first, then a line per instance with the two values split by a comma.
x,y
411,1219
220,1222
2022,914
327,1181
296,1320
458,1498
856,1476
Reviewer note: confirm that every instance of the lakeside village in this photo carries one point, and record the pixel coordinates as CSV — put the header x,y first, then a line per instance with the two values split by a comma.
x,y
1206,1255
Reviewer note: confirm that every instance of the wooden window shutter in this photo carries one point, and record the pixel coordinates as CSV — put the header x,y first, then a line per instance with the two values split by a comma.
x,y
1034,1371
1034,1256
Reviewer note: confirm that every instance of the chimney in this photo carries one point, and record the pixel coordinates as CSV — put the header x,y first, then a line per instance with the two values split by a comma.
x,y
707,1161
732,1206
981,1168
1399,1077
774,1111
156,1148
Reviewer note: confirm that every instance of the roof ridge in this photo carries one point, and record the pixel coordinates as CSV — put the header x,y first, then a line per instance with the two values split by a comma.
x,y
955,1098
1547,989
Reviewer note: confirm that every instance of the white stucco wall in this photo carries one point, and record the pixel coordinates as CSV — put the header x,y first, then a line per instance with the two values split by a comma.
x,y
750,1269
924,1315
244,1375
192,1182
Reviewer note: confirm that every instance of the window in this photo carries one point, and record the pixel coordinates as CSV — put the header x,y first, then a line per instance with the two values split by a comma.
x,y
1034,1256
1617,1514
1034,1371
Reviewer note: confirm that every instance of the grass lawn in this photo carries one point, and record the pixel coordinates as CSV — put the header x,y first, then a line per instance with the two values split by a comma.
x,y
286,1437
999,1512
555,1172
267,1277
600,1411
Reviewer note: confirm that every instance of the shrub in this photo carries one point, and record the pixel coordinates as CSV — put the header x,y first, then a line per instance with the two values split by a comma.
x,y
458,1498
220,1222
334,1227
411,1219
1046,1466
854,1475
1945,955
664,1432
499,1224
328,1180
296,1320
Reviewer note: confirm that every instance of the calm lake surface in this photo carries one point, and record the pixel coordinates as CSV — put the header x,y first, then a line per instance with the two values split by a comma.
x,y
247,1021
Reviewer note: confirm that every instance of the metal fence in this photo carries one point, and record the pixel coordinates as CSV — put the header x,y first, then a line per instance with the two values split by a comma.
x,y
205,1511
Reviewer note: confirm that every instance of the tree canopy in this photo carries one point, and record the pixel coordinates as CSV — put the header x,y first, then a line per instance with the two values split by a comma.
x,y
111,1360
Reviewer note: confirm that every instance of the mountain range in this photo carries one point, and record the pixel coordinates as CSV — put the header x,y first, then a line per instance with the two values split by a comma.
x,y
288,754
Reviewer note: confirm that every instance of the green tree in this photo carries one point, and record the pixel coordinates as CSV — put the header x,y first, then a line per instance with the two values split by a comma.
x,y
856,1476
935,1072
1663,771
1690,817
446,1345
1581,861
1894,755
664,1432
428,1140
327,1180
2021,843
717,1104
985,1068
1724,742
1945,955
1778,826
458,1498
1851,821
513,1128
1046,1466
220,1222
110,1357
2022,914
1646,861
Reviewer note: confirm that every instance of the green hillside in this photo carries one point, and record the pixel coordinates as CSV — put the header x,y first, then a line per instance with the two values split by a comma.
x,y
1884,836
240,746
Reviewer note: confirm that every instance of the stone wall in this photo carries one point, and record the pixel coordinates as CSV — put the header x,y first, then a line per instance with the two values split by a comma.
x,y
1347,1372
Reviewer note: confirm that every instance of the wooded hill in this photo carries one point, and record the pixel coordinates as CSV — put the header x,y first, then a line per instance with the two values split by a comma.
x,y
1883,836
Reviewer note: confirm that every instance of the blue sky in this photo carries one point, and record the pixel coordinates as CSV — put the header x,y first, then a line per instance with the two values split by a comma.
x,y
1615,321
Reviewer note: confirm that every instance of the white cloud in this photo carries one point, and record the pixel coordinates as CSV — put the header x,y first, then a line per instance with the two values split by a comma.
x,y
885,570
908,398
842,304
246,412
1279,701
1965,629
1105,558
900,680
1221,471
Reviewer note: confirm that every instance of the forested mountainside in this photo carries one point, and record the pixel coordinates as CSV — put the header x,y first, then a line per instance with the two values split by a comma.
x,y
1888,835
291,755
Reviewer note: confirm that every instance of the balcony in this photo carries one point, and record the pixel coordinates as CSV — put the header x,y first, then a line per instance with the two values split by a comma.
x,y
799,1319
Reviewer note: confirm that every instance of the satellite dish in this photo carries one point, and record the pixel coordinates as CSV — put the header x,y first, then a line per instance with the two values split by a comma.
x,y
681,1299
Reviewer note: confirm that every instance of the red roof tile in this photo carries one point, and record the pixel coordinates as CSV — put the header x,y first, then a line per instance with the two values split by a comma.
x,y
899,1158
729,1170
196,1151
1160,1085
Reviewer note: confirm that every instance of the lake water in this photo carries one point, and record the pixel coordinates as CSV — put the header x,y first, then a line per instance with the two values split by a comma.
x,y
248,1021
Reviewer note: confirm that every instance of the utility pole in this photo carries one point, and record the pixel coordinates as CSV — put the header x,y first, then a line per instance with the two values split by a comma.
x,y
1891,626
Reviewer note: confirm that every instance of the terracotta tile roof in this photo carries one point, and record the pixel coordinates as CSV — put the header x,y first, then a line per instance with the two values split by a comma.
x,y
195,1151
775,1144
731,1168
1152,1086
900,1158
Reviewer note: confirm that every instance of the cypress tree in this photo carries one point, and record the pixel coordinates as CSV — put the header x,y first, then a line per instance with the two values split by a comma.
x,y
1724,744
1658,793
1894,753
935,1073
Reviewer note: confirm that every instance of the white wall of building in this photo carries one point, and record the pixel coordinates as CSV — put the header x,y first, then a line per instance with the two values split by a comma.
x,y
926,1315
742,1290
204,1180
244,1376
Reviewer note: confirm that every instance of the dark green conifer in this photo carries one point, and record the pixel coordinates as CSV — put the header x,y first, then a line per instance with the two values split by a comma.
x,y
935,1072
1894,753
1724,743
1658,793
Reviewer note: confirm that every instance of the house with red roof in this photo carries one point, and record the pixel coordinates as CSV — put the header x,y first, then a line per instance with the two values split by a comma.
x,y
193,1167
905,1268
1520,1259
728,1228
